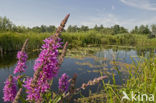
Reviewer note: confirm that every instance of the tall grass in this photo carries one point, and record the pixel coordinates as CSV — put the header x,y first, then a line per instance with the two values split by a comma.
x,y
142,80
94,37
11,41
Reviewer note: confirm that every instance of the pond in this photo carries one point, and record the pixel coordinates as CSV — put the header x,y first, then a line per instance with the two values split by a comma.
x,y
87,63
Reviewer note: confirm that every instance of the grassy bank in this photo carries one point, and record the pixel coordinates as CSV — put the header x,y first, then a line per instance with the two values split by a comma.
x,y
11,41
141,84
92,37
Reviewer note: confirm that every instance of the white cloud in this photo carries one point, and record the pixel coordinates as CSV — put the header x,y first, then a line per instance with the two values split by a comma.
x,y
142,4
109,20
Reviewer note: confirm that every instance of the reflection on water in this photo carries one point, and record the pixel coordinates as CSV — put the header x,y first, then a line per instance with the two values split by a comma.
x,y
86,62
7,60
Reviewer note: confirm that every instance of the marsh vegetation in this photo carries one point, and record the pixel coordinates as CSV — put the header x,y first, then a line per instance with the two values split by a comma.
x,y
126,58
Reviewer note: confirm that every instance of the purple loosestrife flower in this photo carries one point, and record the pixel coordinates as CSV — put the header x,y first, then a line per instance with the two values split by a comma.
x,y
48,60
34,92
9,89
21,64
63,83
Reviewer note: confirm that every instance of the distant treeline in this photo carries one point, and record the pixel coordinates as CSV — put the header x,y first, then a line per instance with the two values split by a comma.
x,y
12,37
117,29
7,25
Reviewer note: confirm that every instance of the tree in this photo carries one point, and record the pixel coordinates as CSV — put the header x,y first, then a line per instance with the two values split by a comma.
x,y
153,27
84,28
36,29
101,27
144,29
21,29
153,31
5,24
123,30
96,28
51,29
43,28
135,30
116,29
72,28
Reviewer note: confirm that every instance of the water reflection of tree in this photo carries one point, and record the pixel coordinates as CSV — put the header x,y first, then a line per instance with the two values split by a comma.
x,y
9,59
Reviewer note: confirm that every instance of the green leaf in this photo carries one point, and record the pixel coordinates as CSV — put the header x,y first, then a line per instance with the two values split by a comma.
x,y
19,83
57,99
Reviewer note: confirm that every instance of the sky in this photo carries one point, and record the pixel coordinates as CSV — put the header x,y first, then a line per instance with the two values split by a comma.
x,y
127,13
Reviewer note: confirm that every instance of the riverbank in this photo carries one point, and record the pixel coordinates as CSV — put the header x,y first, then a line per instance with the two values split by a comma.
x,y
11,41
139,87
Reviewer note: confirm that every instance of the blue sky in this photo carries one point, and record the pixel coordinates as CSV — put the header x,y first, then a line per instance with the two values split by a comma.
x,y
127,13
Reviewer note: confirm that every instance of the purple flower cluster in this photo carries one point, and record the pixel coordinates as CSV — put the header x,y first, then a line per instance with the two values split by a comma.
x,y
48,58
63,83
21,64
9,89
34,92
48,61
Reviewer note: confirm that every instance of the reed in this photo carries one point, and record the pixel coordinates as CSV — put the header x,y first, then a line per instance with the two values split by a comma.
x,y
142,80
10,41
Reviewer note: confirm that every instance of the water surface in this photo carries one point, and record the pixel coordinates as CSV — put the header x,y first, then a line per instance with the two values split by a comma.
x,y
86,63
